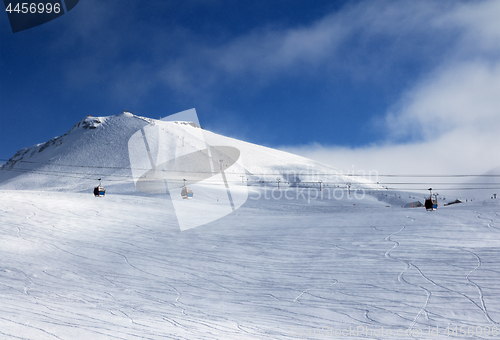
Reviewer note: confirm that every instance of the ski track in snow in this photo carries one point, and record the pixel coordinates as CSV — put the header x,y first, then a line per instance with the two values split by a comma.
x,y
480,291
407,265
74,267
490,221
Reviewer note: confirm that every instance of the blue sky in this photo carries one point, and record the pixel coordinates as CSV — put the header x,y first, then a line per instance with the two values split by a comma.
x,y
343,82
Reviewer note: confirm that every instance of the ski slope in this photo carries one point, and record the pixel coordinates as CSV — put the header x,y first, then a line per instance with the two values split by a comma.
x,y
77,267
290,263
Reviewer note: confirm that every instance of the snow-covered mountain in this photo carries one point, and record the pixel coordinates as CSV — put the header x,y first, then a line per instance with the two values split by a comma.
x,y
98,147
298,266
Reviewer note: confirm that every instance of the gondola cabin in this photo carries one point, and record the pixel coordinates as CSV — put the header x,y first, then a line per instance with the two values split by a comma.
x,y
99,190
186,193
431,203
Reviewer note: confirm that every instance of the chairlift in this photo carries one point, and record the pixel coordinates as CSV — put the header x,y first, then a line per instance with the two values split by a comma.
x,y
431,203
99,190
186,192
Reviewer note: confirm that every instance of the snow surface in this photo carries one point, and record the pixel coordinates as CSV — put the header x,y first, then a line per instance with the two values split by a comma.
x,y
77,267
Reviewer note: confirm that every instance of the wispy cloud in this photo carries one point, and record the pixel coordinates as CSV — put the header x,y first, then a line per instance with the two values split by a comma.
x,y
459,96
364,40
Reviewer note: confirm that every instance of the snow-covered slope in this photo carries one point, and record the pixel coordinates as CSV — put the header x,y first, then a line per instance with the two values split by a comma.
x,y
98,147
288,264
76,267
481,187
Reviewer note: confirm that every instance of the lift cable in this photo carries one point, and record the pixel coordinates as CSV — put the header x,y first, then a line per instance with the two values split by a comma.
x,y
291,172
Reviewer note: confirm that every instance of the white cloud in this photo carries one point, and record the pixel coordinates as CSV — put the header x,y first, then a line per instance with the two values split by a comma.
x,y
452,153
479,22
459,96
454,112
448,122
363,39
